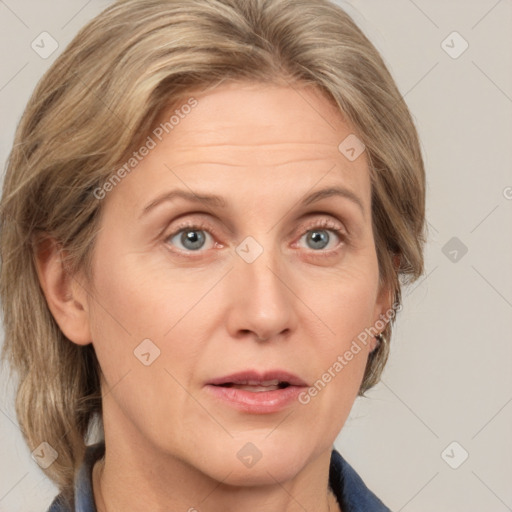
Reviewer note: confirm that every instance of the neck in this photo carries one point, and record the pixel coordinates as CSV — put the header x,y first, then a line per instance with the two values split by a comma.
x,y
116,488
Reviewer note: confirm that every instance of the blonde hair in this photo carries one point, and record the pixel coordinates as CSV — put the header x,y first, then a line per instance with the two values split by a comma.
x,y
100,99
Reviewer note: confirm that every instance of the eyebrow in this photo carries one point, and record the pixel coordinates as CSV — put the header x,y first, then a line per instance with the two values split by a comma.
x,y
335,191
220,202
192,197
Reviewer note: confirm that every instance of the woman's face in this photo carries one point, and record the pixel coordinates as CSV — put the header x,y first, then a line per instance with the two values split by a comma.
x,y
272,280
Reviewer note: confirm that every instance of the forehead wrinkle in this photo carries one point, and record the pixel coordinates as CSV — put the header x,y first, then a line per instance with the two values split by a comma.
x,y
274,155
200,145
198,163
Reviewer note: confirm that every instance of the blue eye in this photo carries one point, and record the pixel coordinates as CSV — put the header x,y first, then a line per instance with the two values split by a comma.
x,y
192,238
319,238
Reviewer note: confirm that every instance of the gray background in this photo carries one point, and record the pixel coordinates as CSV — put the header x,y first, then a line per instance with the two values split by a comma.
x,y
449,377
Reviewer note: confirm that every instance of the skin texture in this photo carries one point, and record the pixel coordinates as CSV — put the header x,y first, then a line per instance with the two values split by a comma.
x,y
170,444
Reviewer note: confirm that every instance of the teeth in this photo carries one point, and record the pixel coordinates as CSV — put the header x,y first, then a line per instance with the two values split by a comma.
x,y
255,388
262,383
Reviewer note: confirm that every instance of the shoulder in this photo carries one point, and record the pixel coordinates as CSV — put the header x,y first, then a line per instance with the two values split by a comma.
x,y
352,493
82,492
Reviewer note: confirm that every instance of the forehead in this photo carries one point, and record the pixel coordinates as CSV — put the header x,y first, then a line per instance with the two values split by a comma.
x,y
239,115
248,137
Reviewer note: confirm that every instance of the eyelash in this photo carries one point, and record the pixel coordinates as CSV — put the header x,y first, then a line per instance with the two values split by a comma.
x,y
315,225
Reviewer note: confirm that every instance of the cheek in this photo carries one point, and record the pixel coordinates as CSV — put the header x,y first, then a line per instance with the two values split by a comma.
x,y
345,300
341,355
138,298
346,303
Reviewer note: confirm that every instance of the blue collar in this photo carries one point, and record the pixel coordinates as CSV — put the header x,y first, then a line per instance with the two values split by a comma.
x,y
347,485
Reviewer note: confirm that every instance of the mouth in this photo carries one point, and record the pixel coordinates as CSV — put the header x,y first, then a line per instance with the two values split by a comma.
x,y
257,386
257,392
253,380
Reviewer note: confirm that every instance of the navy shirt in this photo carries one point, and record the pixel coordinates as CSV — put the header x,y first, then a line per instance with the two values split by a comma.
x,y
349,489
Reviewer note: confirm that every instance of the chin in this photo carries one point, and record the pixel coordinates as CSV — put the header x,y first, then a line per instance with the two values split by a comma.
x,y
253,463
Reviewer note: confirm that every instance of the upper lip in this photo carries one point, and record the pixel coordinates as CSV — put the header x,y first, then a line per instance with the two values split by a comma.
x,y
255,378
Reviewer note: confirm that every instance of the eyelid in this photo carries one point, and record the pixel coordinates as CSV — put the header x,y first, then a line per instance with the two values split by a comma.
x,y
328,225
312,223
193,220
324,223
191,225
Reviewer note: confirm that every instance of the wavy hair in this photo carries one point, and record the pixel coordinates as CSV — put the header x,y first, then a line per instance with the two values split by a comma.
x,y
100,99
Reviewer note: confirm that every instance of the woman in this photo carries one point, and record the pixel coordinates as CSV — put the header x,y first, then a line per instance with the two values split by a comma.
x,y
164,298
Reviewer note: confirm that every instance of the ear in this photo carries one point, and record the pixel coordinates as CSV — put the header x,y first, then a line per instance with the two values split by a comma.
x,y
66,298
384,306
382,312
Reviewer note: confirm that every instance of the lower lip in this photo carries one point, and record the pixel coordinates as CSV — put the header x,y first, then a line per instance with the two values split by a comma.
x,y
254,402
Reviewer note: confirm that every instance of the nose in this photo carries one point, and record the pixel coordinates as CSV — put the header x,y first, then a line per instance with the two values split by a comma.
x,y
262,303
